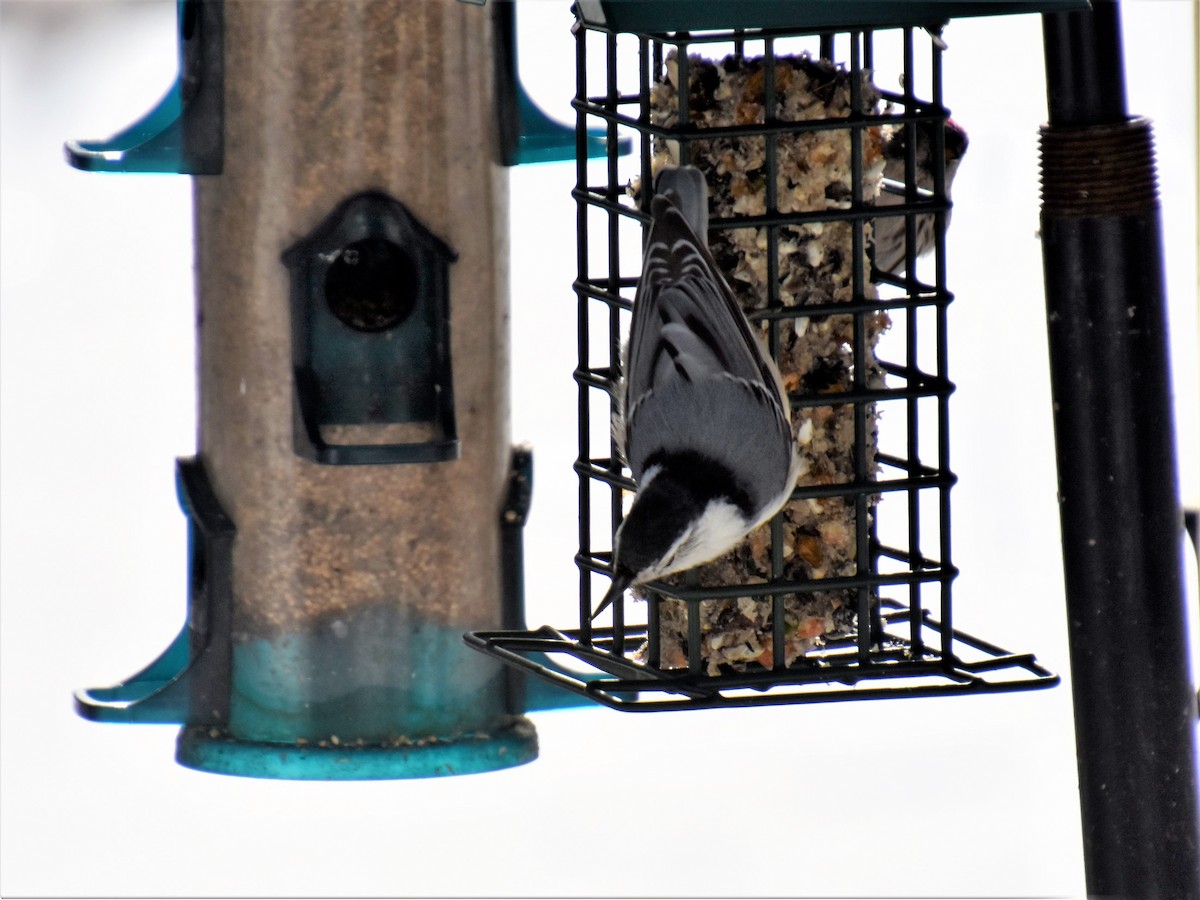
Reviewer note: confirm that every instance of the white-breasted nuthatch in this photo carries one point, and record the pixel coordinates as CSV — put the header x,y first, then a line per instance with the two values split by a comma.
x,y
704,424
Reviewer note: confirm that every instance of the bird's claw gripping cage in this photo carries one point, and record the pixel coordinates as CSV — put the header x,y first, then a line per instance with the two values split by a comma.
x,y
871,617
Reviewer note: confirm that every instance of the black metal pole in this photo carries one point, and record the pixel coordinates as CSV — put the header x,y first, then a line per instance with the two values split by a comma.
x,y
1135,712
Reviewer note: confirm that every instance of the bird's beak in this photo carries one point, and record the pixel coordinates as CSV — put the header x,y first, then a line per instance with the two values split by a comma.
x,y
619,583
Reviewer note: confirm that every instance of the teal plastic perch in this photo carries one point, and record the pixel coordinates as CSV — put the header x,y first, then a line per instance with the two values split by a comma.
x,y
542,139
191,677
155,695
184,133
527,133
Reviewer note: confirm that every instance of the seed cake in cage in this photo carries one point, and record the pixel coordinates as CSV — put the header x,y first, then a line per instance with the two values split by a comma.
x,y
788,266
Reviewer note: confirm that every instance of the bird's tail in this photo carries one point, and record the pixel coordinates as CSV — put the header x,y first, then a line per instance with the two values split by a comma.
x,y
685,187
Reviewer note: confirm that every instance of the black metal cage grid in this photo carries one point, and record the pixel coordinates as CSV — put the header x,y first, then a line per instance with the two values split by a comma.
x,y
900,492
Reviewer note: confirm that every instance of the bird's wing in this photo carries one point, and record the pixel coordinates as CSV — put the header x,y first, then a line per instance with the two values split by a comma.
x,y
726,423
691,350
685,319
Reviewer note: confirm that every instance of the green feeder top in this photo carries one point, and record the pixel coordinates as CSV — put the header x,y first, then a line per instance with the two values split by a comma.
x,y
654,16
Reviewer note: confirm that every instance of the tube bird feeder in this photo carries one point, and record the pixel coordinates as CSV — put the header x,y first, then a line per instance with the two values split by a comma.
x,y
351,499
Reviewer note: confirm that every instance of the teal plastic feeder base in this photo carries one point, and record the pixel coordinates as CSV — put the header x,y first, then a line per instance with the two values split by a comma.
x,y
211,750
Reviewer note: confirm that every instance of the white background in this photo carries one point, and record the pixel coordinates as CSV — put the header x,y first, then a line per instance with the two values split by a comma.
x,y
970,796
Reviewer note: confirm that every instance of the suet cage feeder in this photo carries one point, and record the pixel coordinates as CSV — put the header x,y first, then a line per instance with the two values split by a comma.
x,y
883,610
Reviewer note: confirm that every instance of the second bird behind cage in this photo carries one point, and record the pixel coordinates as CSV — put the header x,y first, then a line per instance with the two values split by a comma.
x,y
829,200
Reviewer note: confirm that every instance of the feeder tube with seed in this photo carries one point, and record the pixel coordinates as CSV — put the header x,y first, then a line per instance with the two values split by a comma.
x,y
365,484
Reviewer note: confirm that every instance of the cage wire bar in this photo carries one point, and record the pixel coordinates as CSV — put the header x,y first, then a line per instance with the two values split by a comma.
x,y
892,645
